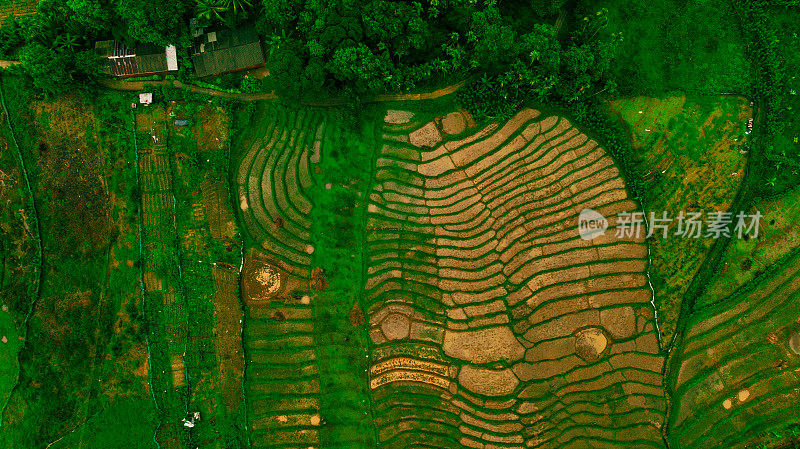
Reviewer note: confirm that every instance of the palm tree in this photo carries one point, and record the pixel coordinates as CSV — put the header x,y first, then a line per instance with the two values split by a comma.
x,y
66,41
238,6
211,9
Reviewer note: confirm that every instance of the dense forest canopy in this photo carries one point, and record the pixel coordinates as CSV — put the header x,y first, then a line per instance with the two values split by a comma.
x,y
339,47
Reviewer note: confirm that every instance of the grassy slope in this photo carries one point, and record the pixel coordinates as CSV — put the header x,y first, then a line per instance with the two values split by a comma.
x,y
746,260
85,215
9,232
688,150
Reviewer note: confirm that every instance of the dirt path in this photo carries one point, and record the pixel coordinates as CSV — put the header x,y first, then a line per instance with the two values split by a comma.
x,y
118,84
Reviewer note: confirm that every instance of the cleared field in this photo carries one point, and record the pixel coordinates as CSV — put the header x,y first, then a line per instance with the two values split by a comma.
x,y
693,152
494,323
228,316
736,385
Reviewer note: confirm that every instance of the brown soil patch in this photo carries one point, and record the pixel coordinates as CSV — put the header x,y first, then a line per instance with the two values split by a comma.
x,y
211,128
454,123
261,281
398,117
483,345
178,371
794,343
620,322
258,277
219,215
396,326
318,281
356,316
427,136
488,382
590,343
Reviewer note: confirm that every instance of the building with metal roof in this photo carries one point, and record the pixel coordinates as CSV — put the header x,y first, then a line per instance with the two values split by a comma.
x,y
223,51
125,62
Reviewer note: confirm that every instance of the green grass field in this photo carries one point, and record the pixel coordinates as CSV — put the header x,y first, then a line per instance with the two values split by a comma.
x,y
745,260
688,150
86,213
12,237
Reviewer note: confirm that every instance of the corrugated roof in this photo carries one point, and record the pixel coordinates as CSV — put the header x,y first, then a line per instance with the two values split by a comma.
x,y
142,60
224,51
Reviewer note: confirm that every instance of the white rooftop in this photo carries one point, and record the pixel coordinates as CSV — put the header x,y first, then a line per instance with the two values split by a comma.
x,y
172,58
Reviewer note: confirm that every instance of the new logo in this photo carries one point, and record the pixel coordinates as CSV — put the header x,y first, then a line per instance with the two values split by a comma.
x,y
591,224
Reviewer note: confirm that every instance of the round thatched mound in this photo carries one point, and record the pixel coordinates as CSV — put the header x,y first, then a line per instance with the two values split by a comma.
x,y
269,279
261,281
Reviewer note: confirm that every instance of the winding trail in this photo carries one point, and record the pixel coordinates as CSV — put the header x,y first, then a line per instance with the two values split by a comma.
x,y
118,84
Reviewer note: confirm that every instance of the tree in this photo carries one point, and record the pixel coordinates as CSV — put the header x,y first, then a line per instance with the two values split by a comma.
x,y
59,69
277,15
152,21
361,68
286,69
491,40
210,10
95,15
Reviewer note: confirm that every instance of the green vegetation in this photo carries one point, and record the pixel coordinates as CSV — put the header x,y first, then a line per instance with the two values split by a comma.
x,y
75,322
690,152
312,162
735,382
746,260
125,236
693,46
338,233
129,421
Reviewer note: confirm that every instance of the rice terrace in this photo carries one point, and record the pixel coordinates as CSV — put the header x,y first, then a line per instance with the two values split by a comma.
x,y
235,224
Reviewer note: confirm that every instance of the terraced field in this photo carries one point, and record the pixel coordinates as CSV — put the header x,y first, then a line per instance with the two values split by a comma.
x,y
736,383
281,376
282,382
274,179
494,323
283,385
